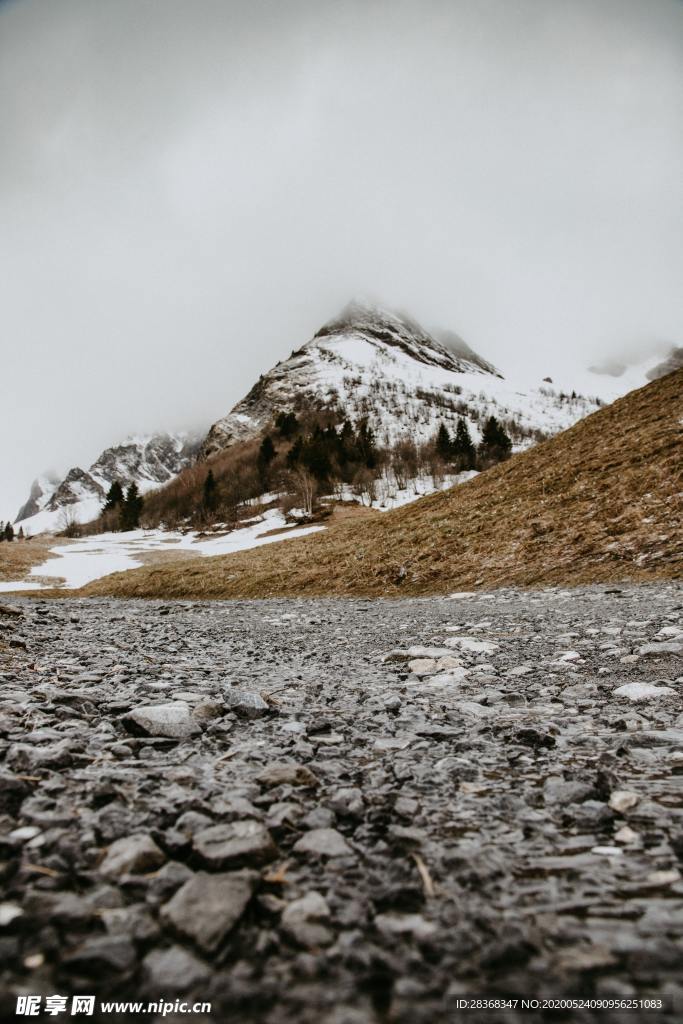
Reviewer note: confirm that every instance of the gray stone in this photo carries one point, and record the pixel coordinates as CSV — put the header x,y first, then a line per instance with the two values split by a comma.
x,y
103,953
643,691
562,791
324,842
174,970
662,647
348,802
405,924
235,844
287,775
302,920
247,704
173,721
131,855
208,907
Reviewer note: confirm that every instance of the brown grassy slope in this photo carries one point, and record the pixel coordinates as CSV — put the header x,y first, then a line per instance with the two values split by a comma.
x,y
599,502
18,557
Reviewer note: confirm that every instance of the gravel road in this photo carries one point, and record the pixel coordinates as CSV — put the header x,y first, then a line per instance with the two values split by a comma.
x,y
345,812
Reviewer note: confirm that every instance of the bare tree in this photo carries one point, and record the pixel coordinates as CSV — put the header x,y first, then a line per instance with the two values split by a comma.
x,y
305,487
68,522
365,486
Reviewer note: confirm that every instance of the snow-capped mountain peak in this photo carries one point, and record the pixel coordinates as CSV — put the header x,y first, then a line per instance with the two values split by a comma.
x,y
399,330
383,366
148,460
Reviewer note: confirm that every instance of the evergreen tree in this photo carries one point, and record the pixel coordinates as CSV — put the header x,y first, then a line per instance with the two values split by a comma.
x,y
267,450
463,449
316,456
210,495
114,497
443,443
2,530
9,531
295,452
131,508
496,444
265,456
20,535
365,445
287,424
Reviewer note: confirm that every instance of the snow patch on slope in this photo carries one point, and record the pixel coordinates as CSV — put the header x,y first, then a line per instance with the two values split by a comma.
x,y
90,558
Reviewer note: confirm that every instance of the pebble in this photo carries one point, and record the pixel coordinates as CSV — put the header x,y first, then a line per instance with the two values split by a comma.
x,y
131,855
207,906
643,691
247,704
237,844
623,800
302,920
170,720
324,842
287,775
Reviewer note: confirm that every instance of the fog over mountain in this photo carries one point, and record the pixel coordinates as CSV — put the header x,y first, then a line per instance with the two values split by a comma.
x,y
187,191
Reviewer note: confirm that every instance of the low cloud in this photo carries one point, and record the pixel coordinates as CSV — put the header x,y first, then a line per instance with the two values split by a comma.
x,y
188,190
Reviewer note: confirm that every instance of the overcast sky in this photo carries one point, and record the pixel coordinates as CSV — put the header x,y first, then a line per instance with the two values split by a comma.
x,y
189,189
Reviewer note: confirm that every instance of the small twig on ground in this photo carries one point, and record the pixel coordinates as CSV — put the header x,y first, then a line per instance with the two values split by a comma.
x,y
427,883
41,870
226,755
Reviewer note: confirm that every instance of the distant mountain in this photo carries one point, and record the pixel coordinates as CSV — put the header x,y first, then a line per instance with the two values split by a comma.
x,y
149,461
368,363
381,365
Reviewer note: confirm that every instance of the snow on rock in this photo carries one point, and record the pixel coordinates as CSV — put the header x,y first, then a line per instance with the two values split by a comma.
x,y
374,363
147,460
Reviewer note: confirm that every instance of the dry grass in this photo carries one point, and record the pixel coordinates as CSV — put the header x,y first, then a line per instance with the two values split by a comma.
x,y
600,502
19,557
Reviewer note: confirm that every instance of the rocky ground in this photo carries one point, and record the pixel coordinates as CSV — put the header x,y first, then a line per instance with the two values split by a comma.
x,y
345,812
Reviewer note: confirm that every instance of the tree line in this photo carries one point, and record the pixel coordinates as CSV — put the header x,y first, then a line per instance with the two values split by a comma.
x,y
305,460
8,533
122,509
299,458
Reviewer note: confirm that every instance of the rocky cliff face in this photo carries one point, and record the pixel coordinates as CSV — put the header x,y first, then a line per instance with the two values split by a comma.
x,y
149,461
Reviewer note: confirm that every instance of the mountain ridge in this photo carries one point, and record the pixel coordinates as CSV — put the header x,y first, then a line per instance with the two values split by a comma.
x,y
600,502
148,460
367,364
383,366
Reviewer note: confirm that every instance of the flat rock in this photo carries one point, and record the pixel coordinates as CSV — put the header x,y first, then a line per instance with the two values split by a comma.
x,y
662,647
235,844
287,774
207,907
131,855
174,970
303,918
325,842
643,691
417,652
471,645
405,924
623,800
173,721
